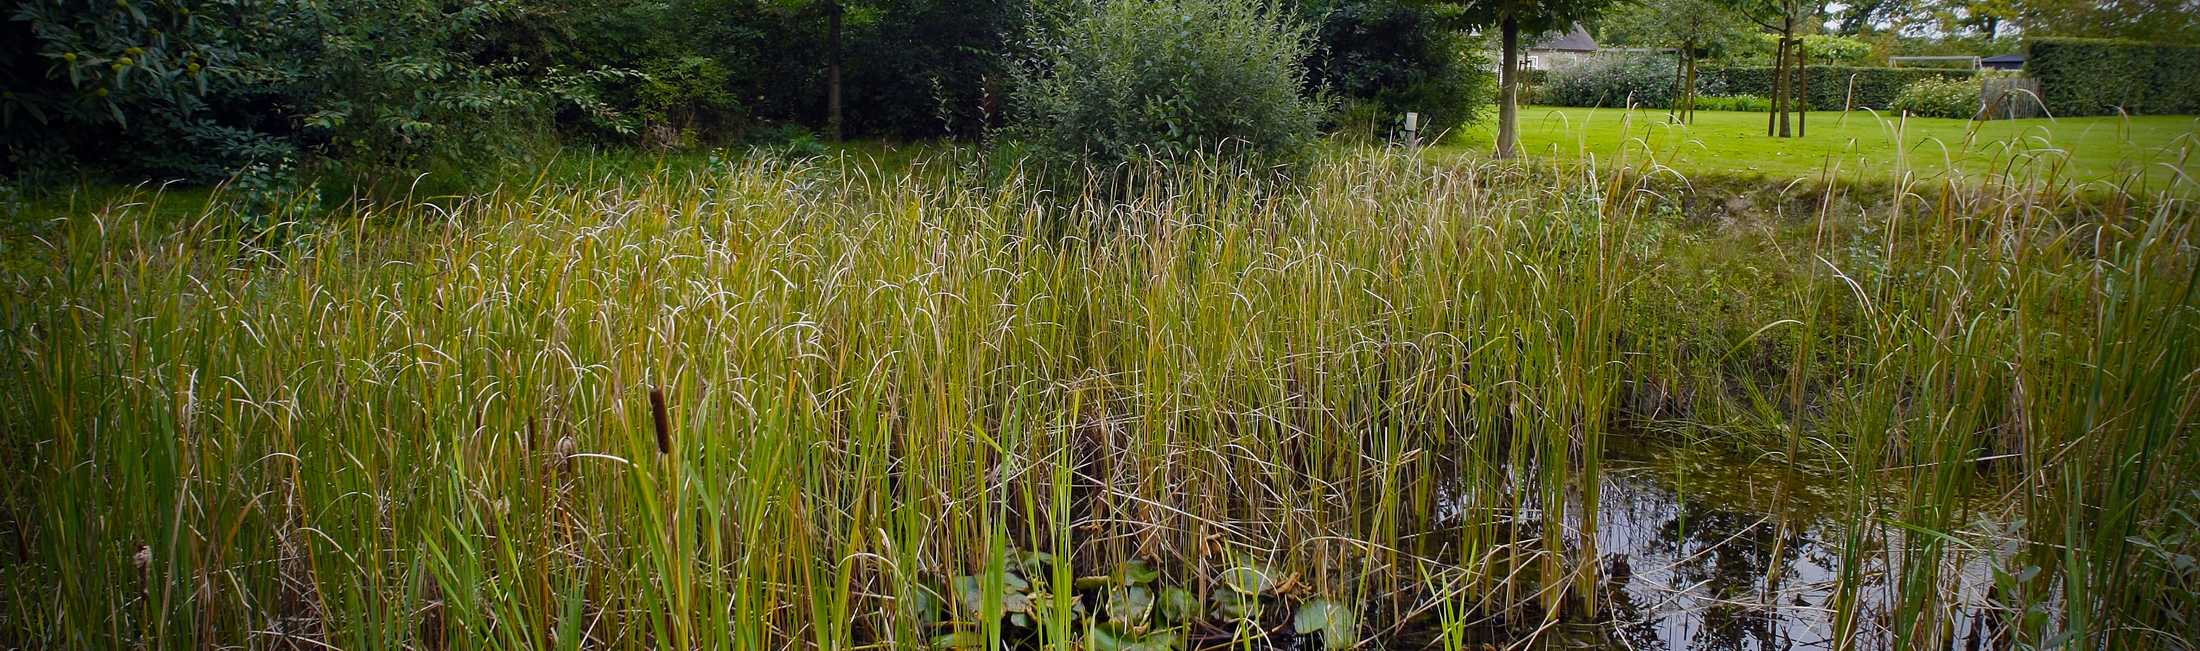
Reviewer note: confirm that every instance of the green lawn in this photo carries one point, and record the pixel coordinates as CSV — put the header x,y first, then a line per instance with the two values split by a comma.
x,y
1860,143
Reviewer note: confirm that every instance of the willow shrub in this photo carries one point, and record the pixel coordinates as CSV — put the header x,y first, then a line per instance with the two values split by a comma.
x,y
1138,80
1940,98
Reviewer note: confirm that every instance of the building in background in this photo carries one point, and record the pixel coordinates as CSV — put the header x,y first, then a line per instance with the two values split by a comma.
x,y
1562,52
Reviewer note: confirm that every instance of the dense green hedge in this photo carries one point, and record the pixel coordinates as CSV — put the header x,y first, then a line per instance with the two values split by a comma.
x,y
2082,76
1829,85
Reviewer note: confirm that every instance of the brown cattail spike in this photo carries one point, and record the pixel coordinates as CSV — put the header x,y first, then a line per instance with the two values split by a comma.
x,y
664,425
144,561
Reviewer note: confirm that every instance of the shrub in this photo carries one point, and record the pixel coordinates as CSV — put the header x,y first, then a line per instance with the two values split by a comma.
x,y
1818,49
2080,76
1733,103
200,89
1139,79
1940,98
269,202
1616,81
1383,58
1829,86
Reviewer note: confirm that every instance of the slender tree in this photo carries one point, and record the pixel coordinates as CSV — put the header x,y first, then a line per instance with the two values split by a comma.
x,y
836,15
1787,19
1693,28
1510,17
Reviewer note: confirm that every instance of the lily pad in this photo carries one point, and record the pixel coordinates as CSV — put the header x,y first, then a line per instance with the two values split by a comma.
x,y
1134,572
1109,637
1249,579
969,593
1117,637
1129,605
1237,606
1335,619
1031,563
959,640
924,602
1177,604
1015,594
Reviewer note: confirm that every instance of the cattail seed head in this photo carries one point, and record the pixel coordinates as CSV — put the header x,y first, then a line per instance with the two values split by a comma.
x,y
144,561
567,447
664,424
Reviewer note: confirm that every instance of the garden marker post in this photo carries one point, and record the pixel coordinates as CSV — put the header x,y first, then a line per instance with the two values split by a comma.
x,y
1413,129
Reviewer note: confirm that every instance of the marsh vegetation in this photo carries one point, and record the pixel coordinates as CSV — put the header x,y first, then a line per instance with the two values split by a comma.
x,y
1399,402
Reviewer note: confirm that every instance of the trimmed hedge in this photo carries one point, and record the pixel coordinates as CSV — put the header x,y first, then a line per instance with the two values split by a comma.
x,y
2085,76
1829,85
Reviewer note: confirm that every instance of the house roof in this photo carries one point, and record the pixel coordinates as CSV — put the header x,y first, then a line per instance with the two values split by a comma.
x,y
1575,41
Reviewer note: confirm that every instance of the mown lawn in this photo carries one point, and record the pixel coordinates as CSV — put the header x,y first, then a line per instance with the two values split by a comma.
x,y
1860,143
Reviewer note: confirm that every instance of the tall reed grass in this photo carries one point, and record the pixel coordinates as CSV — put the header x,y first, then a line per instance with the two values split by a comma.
x,y
778,404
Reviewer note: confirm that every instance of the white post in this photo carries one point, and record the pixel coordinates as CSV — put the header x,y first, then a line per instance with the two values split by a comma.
x,y
1413,128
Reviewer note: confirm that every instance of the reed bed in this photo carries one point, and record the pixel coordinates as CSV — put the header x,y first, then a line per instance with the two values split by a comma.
x,y
777,405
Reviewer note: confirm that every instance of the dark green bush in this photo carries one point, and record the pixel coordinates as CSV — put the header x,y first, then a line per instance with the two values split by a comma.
x,y
2176,81
1166,79
2080,76
1829,87
1383,58
200,88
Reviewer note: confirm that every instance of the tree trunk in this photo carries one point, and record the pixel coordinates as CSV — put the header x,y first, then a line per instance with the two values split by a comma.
x,y
1690,115
832,74
1787,78
1508,81
1676,109
1779,89
1802,74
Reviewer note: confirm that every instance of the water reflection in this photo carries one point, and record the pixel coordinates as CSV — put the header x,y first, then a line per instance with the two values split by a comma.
x,y
1699,572
1715,555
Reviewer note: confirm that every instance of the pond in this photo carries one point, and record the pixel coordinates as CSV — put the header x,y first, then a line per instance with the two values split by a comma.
x,y
1703,550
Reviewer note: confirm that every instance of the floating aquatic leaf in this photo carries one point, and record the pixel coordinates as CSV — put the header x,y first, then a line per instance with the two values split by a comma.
x,y
1178,604
959,640
970,593
1032,563
1113,636
1134,572
1160,641
1249,579
1015,593
1237,606
1129,604
924,603
1109,637
1333,618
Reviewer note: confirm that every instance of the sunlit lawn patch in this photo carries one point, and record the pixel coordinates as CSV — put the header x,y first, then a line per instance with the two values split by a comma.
x,y
1860,143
